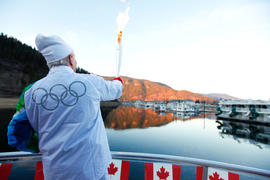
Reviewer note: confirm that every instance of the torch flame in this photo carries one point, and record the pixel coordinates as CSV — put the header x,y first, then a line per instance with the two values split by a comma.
x,y
119,36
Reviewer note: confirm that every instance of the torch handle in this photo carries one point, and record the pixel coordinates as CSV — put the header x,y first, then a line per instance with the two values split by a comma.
x,y
118,59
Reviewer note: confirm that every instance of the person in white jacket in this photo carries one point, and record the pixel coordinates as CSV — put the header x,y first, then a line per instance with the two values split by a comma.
x,y
64,109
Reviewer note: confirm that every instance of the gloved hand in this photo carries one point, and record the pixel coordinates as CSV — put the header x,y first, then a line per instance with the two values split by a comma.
x,y
118,79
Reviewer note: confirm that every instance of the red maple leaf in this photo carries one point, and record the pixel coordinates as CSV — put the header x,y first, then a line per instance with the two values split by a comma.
x,y
215,177
111,169
162,174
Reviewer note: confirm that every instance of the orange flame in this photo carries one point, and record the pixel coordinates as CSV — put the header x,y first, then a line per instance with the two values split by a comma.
x,y
119,36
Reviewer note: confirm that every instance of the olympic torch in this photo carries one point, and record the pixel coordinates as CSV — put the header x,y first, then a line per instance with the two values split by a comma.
x,y
119,53
122,20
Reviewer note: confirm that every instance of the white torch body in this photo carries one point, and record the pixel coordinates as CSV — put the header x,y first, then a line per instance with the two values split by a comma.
x,y
119,54
118,58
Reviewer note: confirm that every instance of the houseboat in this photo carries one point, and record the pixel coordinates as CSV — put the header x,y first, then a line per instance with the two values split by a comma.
x,y
182,106
244,110
161,107
149,104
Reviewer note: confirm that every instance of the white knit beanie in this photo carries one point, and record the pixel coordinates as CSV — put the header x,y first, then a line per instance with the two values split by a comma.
x,y
53,48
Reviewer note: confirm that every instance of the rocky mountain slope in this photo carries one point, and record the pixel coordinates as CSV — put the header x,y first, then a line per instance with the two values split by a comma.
x,y
139,89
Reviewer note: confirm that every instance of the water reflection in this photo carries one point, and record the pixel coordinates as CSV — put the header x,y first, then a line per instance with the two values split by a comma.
x,y
201,136
128,117
6,115
255,134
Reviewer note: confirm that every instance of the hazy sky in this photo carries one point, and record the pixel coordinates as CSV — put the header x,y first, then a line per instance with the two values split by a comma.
x,y
209,46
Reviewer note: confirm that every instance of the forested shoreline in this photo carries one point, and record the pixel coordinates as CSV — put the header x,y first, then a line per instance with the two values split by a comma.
x,y
20,65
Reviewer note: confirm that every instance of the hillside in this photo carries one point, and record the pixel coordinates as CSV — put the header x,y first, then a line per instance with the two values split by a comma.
x,y
20,65
219,96
138,89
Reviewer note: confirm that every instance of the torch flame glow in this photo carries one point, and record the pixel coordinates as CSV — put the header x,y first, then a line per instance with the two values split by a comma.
x,y
119,36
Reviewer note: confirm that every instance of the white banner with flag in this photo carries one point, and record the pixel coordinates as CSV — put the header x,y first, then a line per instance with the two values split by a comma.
x,y
161,171
5,169
118,170
219,174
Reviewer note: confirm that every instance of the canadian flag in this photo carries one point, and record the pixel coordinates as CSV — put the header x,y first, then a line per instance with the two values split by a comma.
x,y
219,174
5,169
39,171
118,169
161,171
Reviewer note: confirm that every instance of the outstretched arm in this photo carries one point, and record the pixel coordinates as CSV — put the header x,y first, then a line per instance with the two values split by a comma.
x,y
109,90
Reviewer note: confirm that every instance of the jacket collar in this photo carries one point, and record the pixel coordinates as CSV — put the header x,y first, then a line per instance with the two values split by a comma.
x,y
60,69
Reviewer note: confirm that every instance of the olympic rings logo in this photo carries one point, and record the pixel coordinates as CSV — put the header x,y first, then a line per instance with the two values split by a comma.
x,y
59,93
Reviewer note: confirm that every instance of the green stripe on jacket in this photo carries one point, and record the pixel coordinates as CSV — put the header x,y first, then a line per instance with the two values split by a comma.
x,y
20,103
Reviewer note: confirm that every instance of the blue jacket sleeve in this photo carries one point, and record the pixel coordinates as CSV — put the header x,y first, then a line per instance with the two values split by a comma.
x,y
20,133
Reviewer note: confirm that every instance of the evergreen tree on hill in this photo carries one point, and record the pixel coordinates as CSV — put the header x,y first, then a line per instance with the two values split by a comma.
x,y
20,65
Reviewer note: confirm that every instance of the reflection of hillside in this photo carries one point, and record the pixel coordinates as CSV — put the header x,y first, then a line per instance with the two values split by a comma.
x,y
126,117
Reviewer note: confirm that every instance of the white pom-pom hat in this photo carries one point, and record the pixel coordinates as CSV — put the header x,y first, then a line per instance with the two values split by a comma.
x,y
53,48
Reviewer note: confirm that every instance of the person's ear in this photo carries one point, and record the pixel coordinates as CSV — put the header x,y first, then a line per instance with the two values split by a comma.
x,y
70,57
72,62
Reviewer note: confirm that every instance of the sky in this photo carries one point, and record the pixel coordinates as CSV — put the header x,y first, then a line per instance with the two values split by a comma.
x,y
209,46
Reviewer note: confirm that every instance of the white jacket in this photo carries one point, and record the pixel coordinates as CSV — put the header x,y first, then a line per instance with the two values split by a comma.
x,y
64,108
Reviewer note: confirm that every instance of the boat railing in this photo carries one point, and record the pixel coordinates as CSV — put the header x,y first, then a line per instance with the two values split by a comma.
x,y
226,109
188,160
242,109
160,158
265,111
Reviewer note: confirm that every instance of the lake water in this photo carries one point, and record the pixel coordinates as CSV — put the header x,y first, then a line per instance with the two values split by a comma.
x,y
144,130
201,136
